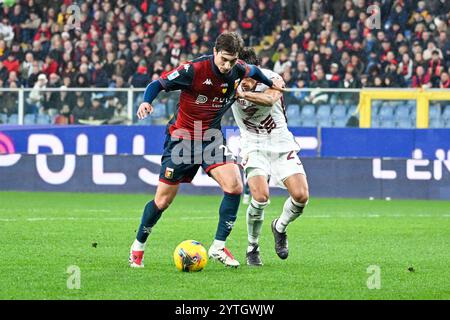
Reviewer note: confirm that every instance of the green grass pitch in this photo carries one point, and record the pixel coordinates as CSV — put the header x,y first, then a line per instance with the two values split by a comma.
x,y
331,248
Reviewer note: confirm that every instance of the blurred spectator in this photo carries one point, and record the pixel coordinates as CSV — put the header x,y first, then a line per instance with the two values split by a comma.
x,y
9,101
444,82
435,68
36,97
318,96
282,64
405,68
116,112
12,63
298,97
3,71
333,77
421,79
65,116
119,44
96,111
80,111
52,99
30,26
99,76
6,31
140,78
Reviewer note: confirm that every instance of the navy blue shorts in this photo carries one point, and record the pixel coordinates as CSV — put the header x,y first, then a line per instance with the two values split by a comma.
x,y
182,158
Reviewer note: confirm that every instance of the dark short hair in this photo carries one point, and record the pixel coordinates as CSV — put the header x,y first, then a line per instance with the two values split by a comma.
x,y
230,42
248,55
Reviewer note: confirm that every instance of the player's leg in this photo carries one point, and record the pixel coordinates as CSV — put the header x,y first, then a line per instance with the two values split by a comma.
x,y
165,193
297,186
171,174
228,177
246,197
289,171
259,189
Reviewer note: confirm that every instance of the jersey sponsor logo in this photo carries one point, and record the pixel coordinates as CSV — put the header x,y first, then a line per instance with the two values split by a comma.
x,y
218,102
236,83
221,100
169,173
173,75
201,99
208,82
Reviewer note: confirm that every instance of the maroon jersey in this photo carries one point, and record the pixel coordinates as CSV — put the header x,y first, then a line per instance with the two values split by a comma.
x,y
206,94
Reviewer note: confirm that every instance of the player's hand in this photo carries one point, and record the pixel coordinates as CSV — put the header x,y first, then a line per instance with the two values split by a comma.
x,y
144,110
240,93
278,84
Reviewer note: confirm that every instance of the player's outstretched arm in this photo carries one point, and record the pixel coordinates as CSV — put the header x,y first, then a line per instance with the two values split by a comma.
x,y
267,98
145,108
256,73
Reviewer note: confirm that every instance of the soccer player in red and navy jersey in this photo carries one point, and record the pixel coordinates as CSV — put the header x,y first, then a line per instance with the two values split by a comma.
x,y
208,85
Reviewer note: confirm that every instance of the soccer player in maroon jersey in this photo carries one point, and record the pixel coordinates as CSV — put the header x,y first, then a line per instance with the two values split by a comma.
x,y
194,138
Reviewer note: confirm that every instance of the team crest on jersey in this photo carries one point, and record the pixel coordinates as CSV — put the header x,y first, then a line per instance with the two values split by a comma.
x,y
201,99
169,173
224,87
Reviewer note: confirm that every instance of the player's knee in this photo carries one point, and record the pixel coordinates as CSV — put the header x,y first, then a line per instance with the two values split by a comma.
x,y
163,202
233,187
261,197
300,195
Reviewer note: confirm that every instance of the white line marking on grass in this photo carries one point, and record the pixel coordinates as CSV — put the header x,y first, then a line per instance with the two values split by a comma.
x,y
77,219
214,217
318,216
195,218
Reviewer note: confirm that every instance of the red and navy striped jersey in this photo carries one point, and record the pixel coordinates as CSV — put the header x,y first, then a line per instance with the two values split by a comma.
x,y
206,95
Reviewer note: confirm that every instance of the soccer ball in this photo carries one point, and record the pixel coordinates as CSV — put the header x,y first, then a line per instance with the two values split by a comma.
x,y
190,256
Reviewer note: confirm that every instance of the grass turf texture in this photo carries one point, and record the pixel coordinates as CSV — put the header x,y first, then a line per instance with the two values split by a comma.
x,y
331,248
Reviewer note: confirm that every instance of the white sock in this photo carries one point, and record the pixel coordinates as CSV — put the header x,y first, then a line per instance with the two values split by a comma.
x,y
138,246
218,244
291,211
255,219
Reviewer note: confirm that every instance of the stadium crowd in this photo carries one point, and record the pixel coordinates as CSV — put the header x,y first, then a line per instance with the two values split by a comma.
x,y
118,44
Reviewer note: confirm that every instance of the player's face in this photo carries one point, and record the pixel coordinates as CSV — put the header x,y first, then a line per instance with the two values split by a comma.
x,y
224,61
248,84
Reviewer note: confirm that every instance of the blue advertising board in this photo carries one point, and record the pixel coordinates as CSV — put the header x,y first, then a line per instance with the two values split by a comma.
x,y
149,140
328,177
136,140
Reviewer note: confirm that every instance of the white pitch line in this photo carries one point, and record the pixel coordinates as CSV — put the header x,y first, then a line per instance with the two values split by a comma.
x,y
214,217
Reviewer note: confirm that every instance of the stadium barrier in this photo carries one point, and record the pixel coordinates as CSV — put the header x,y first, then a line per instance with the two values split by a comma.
x,y
422,98
328,177
306,107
